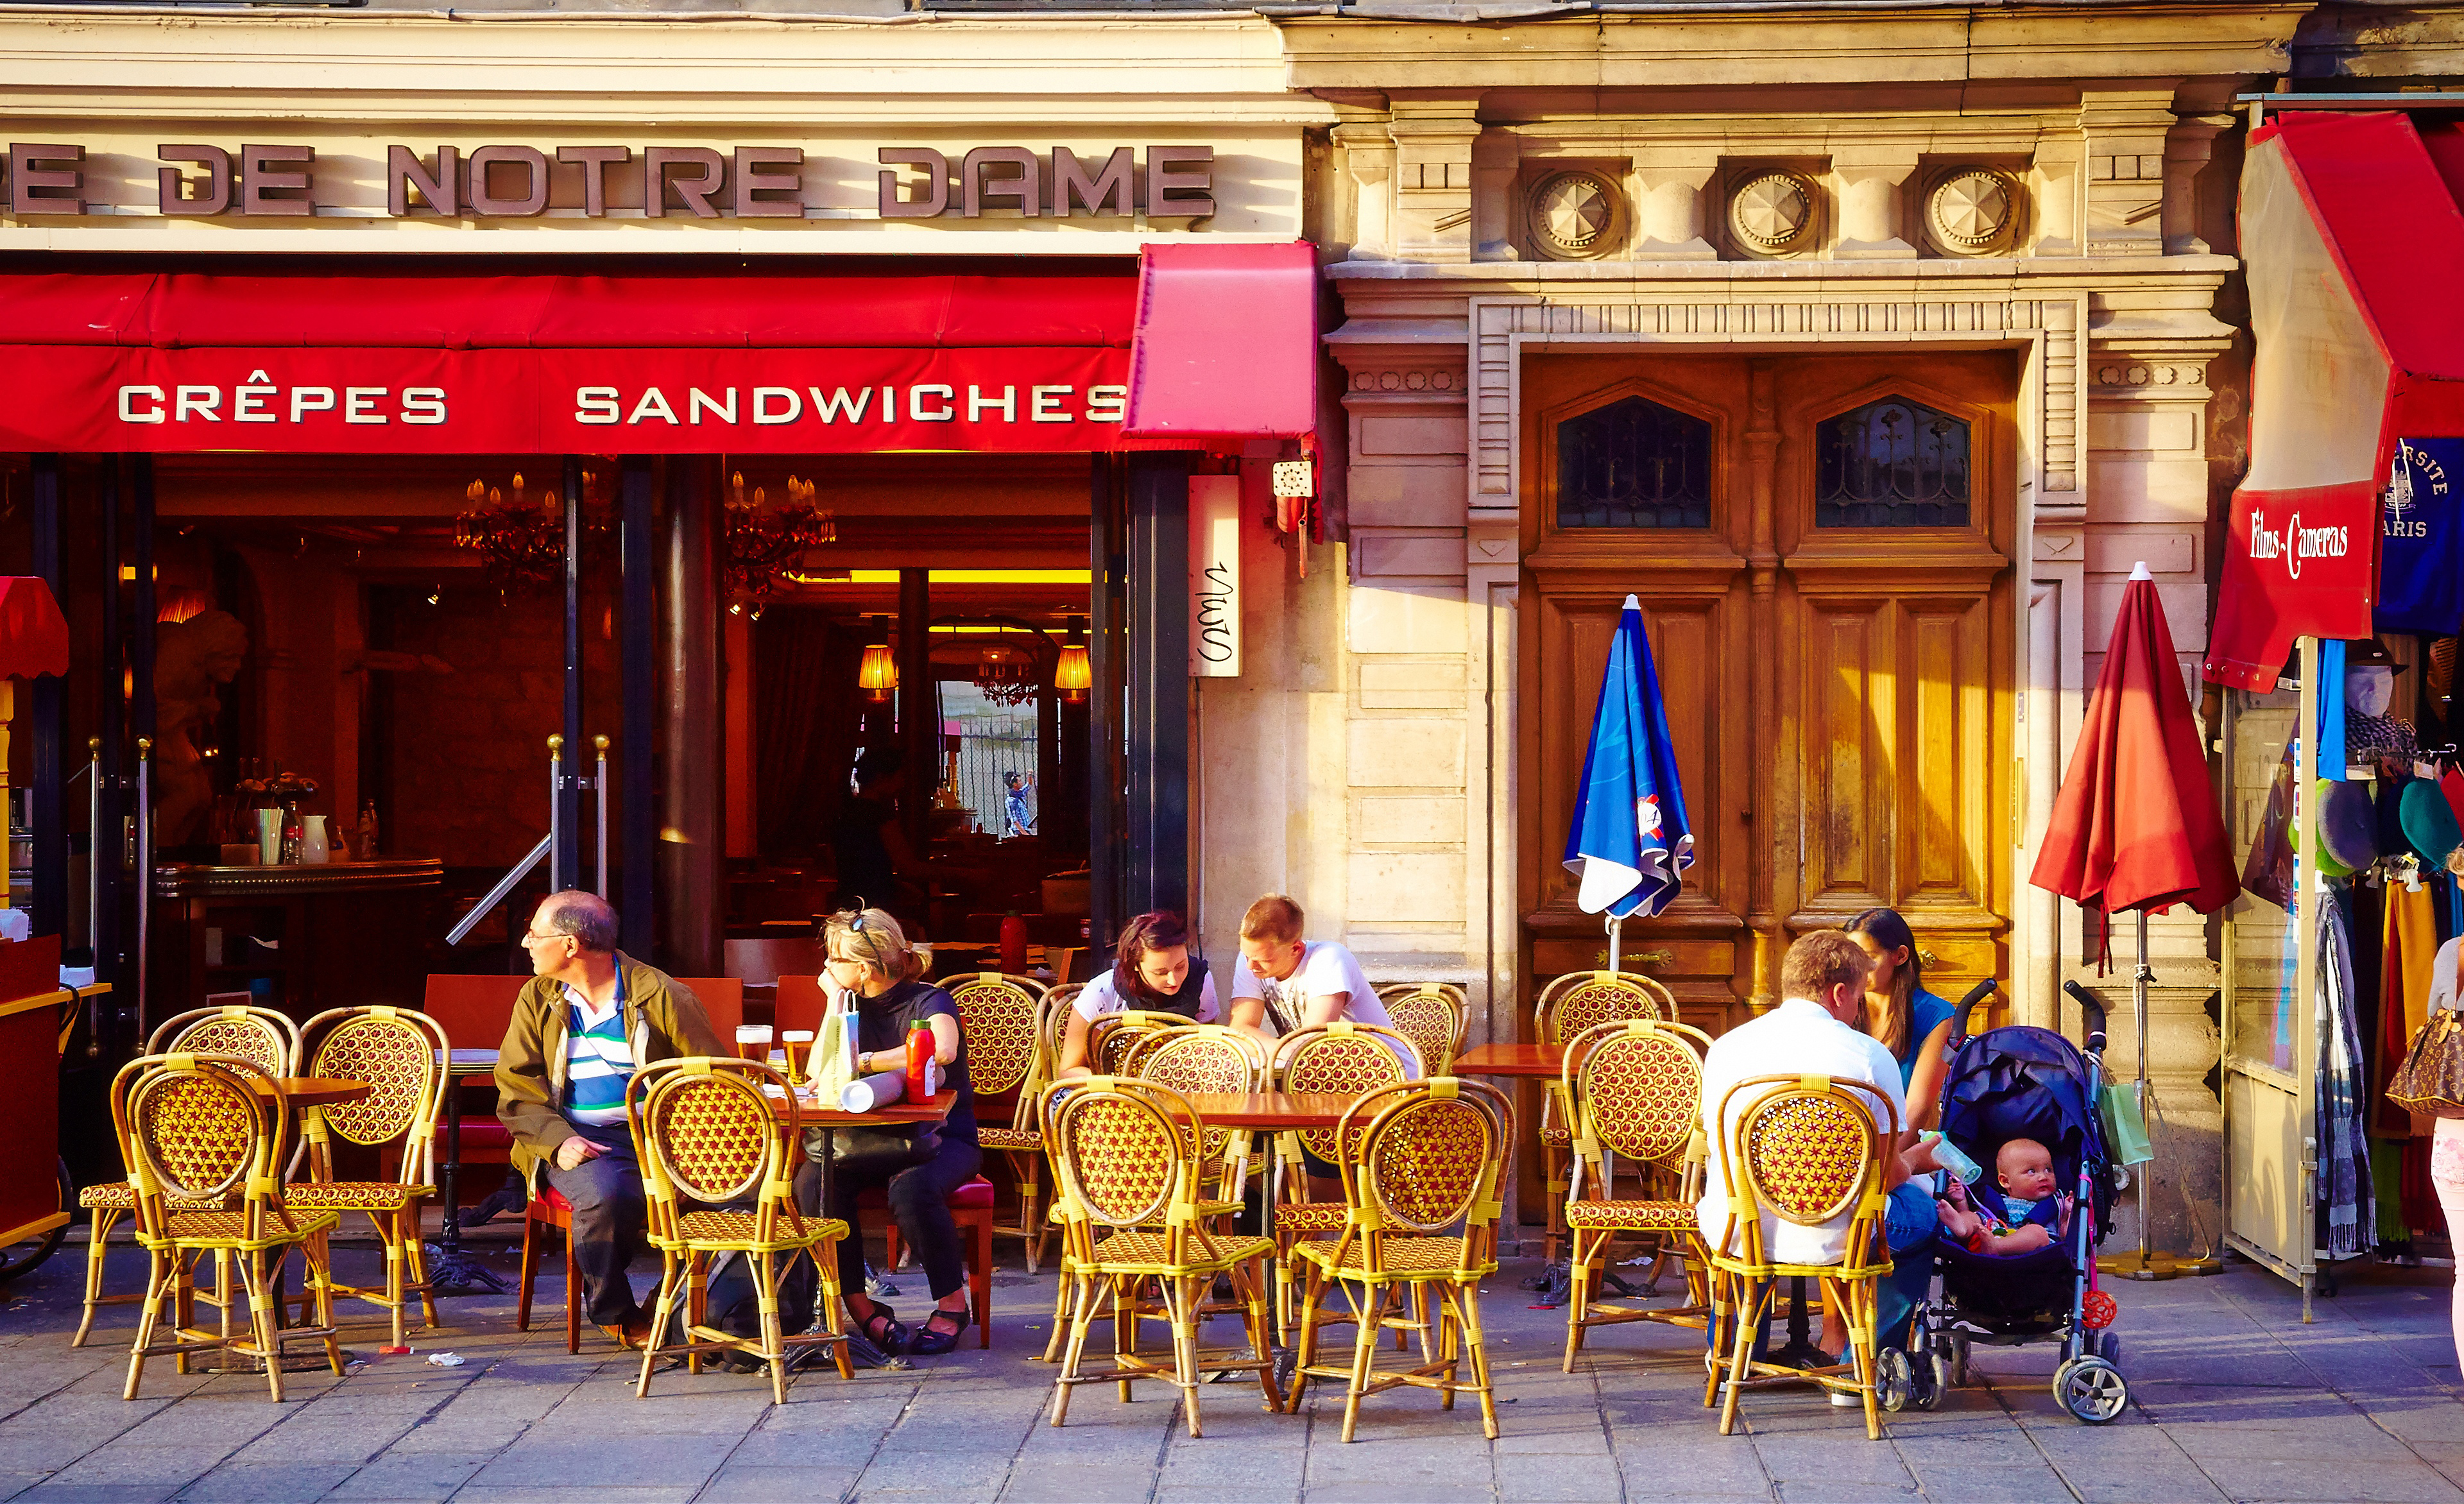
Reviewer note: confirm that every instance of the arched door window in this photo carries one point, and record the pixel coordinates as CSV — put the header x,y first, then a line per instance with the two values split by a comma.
x,y
1893,463
1634,463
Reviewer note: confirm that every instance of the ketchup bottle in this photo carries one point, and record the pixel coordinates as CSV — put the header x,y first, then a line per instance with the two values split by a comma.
x,y
1013,943
919,1062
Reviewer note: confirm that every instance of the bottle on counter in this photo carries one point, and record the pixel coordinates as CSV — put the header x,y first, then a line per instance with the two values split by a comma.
x,y
367,831
922,1070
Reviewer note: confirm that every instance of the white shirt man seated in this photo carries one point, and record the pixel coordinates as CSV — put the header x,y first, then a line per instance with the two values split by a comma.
x,y
1822,990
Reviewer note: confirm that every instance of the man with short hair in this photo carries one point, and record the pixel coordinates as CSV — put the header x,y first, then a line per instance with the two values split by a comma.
x,y
589,1016
1813,1032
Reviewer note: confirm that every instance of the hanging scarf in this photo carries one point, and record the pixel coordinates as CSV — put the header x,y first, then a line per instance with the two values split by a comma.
x,y
2347,1208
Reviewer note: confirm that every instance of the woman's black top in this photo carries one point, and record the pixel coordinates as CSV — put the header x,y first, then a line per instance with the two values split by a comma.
x,y
1186,1002
882,1024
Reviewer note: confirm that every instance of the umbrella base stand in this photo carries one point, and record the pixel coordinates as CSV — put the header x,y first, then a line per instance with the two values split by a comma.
x,y
2156,1266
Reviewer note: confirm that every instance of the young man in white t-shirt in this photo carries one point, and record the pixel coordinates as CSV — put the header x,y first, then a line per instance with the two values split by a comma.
x,y
1283,983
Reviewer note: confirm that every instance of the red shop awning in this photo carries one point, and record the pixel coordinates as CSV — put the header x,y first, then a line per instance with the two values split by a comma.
x,y
2355,247
1021,359
1227,341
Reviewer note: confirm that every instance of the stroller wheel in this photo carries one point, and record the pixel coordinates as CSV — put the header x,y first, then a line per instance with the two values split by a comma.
x,y
1959,1374
1895,1381
1933,1380
2108,1346
2091,1390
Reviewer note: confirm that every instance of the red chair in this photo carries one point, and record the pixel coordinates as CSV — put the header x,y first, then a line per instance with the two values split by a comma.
x,y
971,1206
474,1013
800,1003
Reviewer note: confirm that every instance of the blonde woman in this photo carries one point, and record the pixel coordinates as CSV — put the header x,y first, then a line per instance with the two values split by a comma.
x,y
871,963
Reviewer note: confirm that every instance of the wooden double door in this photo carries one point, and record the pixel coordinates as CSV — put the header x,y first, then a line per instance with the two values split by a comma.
x,y
1822,549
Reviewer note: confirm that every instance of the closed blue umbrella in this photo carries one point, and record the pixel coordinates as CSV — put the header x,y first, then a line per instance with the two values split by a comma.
x,y
1631,844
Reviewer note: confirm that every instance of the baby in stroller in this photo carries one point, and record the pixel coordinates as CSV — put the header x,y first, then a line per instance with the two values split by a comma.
x,y
2033,1213
2018,1266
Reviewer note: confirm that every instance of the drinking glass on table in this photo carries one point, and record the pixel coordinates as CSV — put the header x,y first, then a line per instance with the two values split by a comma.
x,y
752,1041
798,1045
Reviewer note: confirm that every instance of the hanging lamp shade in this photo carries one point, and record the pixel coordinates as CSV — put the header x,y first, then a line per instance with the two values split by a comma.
x,y
878,674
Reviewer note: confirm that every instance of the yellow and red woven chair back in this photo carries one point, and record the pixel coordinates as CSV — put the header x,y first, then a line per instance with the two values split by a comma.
x,y
1112,1037
264,1038
1122,1149
1346,1059
1433,1016
395,1051
1428,1159
1582,1000
998,1016
1639,1089
1059,1004
193,1128
710,1131
1810,1149
1200,1057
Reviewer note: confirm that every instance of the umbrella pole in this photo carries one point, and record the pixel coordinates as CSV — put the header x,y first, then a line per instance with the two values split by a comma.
x,y
2138,998
1617,933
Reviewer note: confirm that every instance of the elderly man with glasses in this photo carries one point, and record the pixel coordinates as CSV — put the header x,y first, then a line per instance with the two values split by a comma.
x,y
590,1015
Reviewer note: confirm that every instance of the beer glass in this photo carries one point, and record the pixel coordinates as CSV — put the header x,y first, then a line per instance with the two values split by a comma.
x,y
799,1043
752,1041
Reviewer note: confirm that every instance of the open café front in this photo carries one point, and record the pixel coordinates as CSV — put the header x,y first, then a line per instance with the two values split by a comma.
x,y
2335,643
458,581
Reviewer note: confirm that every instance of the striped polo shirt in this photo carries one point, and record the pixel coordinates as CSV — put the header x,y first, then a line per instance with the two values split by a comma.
x,y
598,1058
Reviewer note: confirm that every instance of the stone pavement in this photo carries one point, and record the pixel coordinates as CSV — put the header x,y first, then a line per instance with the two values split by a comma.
x,y
2233,1399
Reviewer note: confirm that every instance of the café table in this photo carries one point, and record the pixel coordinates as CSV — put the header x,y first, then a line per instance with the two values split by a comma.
x,y
315,1091
1514,1060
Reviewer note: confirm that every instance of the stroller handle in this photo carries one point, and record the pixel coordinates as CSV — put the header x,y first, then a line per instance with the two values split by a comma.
x,y
1967,1005
2095,1012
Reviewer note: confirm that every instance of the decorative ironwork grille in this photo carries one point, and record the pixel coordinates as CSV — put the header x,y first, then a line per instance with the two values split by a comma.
x,y
1634,463
1892,463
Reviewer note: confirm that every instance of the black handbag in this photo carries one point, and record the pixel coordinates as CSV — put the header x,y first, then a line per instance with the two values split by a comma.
x,y
879,1153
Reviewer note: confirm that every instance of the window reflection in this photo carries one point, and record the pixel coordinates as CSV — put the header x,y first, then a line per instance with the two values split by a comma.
x,y
1634,463
1892,463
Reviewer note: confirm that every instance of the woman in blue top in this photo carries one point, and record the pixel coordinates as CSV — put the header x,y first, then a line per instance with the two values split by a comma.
x,y
1912,1023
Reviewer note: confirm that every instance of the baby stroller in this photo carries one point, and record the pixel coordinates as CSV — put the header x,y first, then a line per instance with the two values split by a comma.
x,y
2019,1082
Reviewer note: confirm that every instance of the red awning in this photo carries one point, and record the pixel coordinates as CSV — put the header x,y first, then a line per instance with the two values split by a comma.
x,y
2355,247
1227,341
1024,359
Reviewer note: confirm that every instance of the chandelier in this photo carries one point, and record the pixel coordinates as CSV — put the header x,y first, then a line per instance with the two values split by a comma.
x,y
1006,676
520,539
764,541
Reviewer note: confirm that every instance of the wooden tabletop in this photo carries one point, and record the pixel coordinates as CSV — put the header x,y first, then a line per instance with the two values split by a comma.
x,y
466,1064
470,1063
319,1091
1511,1060
1275,1110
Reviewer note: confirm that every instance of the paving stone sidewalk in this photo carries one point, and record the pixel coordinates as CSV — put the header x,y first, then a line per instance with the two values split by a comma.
x,y
2233,1399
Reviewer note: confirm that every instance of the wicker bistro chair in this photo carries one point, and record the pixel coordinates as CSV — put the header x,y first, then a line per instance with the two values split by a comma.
x,y
1192,1057
1111,1037
207,1130
262,1037
1421,1163
1341,1057
1567,1006
710,1139
1436,1015
1806,1149
1127,1157
1004,1019
398,1051
1638,1090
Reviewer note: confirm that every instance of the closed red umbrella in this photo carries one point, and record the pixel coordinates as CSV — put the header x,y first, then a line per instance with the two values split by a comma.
x,y
2136,827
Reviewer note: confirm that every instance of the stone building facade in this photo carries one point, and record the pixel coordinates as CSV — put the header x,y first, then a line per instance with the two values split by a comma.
x,y
1758,228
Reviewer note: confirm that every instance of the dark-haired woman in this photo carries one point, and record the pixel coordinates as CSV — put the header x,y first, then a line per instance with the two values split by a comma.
x,y
1912,1023
1152,972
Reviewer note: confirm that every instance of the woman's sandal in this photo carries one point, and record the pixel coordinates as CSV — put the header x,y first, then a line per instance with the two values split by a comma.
x,y
881,1327
932,1341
